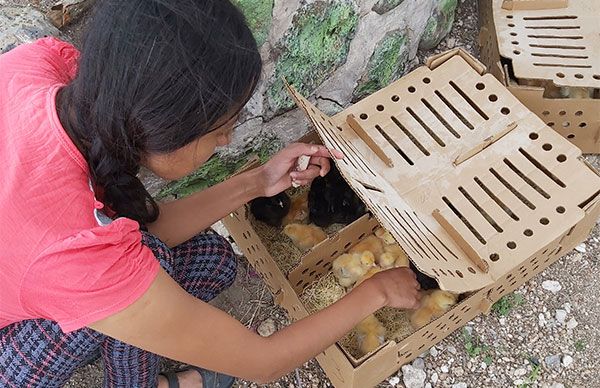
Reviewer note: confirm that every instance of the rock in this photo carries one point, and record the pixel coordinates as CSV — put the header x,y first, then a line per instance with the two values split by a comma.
x,y
502,321
387,64
450,42
20,25
413,377
444,368
259,15
434,378
433,351
551,285
314,47
567,307
459,385
458,371
385,6
468,330
394,380
553,361
560,315
518,382
572,324
419,363
557,385
581,248
451,349
567,360
439,24
267,327
520,372
541,320
428,385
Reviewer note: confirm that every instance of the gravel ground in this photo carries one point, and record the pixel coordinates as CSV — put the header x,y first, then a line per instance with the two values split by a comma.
x,y
548,338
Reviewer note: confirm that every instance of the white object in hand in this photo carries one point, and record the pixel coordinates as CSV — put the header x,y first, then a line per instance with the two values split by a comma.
x,y
301,165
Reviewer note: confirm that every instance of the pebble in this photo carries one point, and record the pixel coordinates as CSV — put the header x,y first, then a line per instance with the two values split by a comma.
x,y
557,385
551,285
581,248
394,380
567,360
444,368
451,42
428,385
518,382
520,372
433,351
459,385
561,316
567,307
413,377
451,349
419,363
552,361
267,327
502,321
434,377
572,324
458,371
541,320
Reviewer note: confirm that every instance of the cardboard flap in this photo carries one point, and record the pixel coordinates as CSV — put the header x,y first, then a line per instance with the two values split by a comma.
x,y
552,40
436,60
464,177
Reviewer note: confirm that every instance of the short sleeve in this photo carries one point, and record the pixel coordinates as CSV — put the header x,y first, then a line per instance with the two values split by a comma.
x,y
89,276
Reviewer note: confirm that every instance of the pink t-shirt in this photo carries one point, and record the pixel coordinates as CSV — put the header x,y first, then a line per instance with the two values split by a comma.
x,y
57,260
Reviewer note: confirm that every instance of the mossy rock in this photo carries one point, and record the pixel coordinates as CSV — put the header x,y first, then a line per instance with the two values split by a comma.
x,y
387,64
439,24
316,45
219,168
259,15
385,6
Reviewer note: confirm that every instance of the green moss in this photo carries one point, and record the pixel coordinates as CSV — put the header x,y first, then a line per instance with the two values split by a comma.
x,y
312,49
439,24
384,6
259,15
386,65
219,168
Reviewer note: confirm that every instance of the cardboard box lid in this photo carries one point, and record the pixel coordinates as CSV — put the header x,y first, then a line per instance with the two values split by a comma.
x,y
554,40
467,180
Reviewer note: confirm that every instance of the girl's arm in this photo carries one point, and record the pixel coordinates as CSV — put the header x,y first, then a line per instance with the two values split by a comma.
x,y
183,219
169,322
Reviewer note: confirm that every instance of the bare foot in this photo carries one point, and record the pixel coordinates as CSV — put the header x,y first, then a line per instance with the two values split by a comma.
x,y
188,379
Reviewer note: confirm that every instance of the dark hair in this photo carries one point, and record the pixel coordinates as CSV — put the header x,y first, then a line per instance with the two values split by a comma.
x,y
154,75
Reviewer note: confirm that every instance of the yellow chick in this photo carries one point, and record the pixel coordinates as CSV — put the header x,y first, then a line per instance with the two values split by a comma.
x,y
372,271
298,209
434,303
371,243
350,267
384,235
370,334
393,256
304,236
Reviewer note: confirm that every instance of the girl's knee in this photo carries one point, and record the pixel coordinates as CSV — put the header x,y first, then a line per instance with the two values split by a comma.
x,y
227,260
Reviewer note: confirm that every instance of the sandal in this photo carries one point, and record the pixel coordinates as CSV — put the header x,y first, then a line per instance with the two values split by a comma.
x,y
209,379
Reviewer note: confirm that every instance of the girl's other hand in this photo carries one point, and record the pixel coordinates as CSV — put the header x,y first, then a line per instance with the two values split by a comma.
x,y
278,173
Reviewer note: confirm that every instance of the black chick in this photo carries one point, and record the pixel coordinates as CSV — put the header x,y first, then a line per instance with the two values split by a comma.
x,y
331,201
271,210
426,282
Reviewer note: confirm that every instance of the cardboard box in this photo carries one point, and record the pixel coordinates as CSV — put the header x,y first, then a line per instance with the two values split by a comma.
x,y
547,52
478,191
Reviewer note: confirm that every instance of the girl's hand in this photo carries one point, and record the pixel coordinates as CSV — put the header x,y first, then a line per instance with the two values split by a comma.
x,y
399,288
278,173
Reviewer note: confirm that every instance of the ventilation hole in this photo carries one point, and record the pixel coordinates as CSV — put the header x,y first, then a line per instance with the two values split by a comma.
x,y
472,270
566,124
505,111
511,245
494,257
544,221
426,80
334,254
579,76
596,76
562,113
319,262
560,75
545,113
411,89
312,273
380,108
578,113
347,246
547,147
516,52
305,271
364,116
460,275
480,86
513,34
551,124
511,25
493,98
514,42
528,232
509,16
582,125
561,158
570,136
533,136
560,210
395,98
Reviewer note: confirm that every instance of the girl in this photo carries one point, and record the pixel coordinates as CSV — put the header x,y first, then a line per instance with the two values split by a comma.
x,y
91,266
